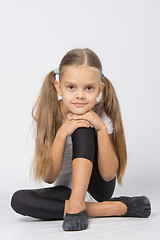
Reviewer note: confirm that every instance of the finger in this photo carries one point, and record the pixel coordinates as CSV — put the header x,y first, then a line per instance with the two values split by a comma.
x,y
75,116
83,124
86,122
81,120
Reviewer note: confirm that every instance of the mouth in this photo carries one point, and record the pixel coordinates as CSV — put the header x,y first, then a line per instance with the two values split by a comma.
x,y
80,104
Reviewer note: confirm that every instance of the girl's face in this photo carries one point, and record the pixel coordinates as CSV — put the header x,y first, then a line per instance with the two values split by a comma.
x,y
79,84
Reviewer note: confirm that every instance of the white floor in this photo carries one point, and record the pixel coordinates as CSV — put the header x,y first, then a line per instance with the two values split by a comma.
x,y
17,227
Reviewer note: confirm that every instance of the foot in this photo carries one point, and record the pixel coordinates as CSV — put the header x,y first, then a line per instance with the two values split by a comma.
x,y
138,206
75,221
73,206
75,216
112,208
119,208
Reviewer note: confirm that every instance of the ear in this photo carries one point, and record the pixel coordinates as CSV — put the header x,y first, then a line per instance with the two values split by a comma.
x,y
102,85
58,87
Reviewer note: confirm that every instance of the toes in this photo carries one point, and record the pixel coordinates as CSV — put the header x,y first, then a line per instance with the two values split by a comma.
x,y
75,222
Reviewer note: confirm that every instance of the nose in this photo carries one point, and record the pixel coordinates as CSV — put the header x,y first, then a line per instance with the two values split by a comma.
x,y
80,95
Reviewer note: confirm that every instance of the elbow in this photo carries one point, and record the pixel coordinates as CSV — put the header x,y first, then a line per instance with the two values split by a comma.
x,y
49,181
108,177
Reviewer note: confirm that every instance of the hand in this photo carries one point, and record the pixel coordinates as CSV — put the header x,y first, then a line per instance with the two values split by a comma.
x,y
91,117
69,126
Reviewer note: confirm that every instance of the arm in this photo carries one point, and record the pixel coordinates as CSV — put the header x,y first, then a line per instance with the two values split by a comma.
x,y
57,153
107,160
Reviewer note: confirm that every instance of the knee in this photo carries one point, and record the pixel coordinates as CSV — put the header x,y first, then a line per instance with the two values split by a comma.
x,y
83,140
18,202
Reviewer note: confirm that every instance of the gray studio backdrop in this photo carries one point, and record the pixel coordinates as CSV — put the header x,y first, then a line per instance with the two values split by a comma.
x,y
35,35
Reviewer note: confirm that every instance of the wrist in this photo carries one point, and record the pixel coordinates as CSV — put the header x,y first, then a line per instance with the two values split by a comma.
x,y
102,128
61,134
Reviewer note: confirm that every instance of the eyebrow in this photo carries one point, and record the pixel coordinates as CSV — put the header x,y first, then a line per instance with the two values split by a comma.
x,y
86,84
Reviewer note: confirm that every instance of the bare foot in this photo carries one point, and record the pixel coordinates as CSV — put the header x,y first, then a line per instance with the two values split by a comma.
x,y
73,206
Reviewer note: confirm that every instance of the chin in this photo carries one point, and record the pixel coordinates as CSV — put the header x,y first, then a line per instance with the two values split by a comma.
x,y
81,111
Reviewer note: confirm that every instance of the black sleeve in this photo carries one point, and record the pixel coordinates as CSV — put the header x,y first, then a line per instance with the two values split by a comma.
x,y
83,140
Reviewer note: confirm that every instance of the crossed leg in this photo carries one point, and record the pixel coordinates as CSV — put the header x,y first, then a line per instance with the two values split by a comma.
x,y
81,172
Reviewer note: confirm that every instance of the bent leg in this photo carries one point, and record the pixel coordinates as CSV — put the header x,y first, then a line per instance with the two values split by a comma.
x,y
85,145
100,189
76,217
82,163
44,203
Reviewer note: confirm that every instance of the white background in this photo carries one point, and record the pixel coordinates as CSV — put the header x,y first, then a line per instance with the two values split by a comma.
x,y
35,35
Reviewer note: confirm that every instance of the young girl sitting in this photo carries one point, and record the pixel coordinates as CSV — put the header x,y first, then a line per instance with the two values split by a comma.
x,y
80,147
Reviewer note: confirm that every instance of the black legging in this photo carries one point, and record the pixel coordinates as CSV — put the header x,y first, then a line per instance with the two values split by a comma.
x,y
48,203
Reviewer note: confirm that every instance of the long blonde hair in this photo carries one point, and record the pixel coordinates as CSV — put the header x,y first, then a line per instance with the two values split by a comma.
x,y
48,116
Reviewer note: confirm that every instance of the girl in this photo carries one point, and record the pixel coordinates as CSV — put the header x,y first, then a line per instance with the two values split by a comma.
x,y
80,147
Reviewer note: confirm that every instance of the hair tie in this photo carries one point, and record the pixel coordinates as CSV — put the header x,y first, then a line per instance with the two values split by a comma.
x,y
102,75
56,71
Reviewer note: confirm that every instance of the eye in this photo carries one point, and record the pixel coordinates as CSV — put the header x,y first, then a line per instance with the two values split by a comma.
x,y
90,87
69,87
